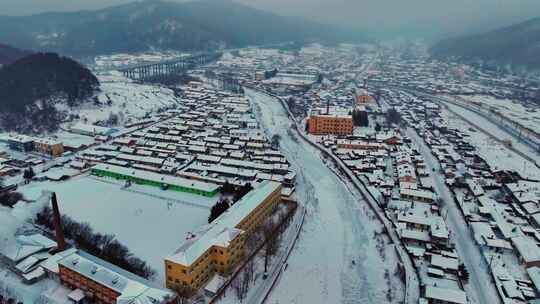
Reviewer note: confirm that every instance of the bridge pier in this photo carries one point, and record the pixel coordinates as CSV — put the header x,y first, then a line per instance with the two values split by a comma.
x,y
164,69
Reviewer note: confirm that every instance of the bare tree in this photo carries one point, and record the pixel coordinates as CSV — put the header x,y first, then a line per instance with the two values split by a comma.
x,y
240,286
183,293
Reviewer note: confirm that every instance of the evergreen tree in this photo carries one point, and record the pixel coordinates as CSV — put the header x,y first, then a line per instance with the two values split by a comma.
x,y
218,209
29,173
393,116
360,118
47,78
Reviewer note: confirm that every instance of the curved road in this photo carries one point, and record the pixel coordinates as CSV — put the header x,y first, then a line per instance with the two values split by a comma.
x,y
338,229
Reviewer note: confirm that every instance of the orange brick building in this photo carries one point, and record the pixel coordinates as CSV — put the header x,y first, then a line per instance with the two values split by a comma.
x,y
75,280
363,99
103,283
330,125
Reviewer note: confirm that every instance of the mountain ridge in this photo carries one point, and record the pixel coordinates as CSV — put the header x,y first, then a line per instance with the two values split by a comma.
x,y
517,45
9,54
32,87
147,25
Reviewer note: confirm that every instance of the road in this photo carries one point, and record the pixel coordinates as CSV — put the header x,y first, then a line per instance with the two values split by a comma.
x,y
481,288
496,131
338,229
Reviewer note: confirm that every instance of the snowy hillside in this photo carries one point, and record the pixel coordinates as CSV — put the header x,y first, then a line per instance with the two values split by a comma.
x,y
128,100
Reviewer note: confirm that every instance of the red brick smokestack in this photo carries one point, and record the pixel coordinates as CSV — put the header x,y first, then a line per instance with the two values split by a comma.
x,y
328,107
60,241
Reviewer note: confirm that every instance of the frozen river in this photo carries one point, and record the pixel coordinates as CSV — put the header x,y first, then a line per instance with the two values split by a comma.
x,y
339,229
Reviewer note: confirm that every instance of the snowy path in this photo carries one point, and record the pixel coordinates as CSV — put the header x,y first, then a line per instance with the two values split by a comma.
x,y
480,288
337,229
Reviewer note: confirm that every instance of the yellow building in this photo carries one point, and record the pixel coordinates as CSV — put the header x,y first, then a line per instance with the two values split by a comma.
x,y
49,146
220,246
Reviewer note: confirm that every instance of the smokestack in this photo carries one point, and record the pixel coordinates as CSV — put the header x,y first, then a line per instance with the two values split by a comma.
x,y
60,240
327,106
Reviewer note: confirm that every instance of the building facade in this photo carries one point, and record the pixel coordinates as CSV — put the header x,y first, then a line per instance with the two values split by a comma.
x,y
144,177
103,283
222,246
50,147
330,125
21,143
99,293
363,99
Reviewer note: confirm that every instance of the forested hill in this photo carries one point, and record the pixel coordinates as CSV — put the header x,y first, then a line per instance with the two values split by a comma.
x,y
32,87
9,54
145,25
517,45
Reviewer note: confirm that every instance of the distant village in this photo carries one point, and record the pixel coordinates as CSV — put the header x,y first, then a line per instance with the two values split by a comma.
x,y
395,130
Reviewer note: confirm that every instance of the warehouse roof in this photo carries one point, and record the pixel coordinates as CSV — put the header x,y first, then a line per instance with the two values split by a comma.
x,y
447,295
166,179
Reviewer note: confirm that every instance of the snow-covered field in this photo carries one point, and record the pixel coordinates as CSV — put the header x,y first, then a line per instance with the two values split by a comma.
x,y
516,111
123,97
151,222
496,154
339,228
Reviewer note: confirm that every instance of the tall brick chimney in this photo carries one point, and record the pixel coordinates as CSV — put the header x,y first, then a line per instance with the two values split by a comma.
x,y
57,221
327,106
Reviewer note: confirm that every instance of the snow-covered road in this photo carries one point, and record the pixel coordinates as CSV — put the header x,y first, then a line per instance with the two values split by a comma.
x,y
338,229
480,288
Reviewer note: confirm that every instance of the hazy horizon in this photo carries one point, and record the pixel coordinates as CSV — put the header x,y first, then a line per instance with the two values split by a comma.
x,y
414,17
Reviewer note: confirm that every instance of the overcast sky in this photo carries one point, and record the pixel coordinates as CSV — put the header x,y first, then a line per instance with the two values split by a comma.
x,y
440,16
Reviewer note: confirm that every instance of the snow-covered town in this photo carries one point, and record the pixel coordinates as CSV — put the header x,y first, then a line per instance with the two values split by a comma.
x,y
357,173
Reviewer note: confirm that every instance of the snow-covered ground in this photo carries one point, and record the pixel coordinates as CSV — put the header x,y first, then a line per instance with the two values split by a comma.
x,y
495,153
151,222
126,99
516,111
340,228
11,221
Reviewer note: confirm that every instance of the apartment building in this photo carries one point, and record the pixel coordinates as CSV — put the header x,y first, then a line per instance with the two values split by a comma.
x,y
49,146
321,124
220,246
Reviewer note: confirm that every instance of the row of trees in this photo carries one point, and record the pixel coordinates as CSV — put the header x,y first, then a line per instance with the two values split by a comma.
x,y
104,246
237,192
271,234
360,118
218,209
